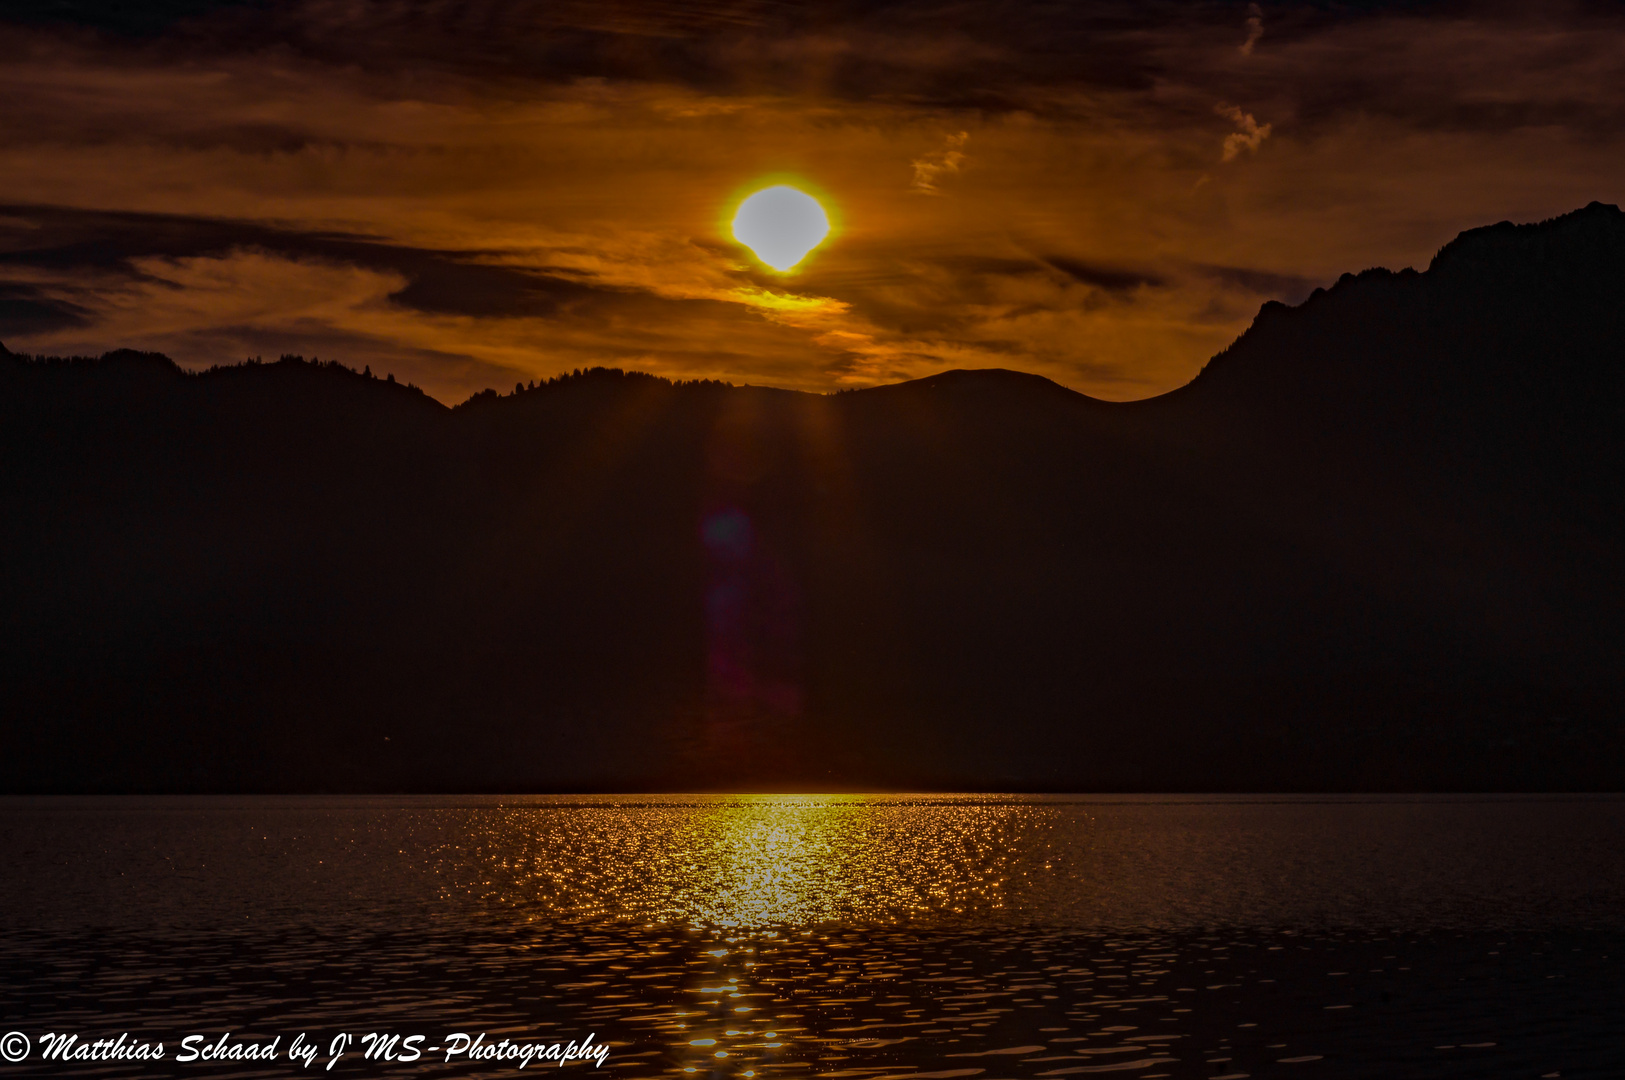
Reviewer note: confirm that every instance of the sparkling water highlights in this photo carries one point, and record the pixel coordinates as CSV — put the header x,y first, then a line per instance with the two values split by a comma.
x,y
932,938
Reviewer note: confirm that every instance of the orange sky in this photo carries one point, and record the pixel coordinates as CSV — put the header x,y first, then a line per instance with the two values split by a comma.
x,y
470,194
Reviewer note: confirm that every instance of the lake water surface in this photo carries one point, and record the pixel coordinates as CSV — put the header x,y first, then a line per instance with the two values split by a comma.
x,y
854,936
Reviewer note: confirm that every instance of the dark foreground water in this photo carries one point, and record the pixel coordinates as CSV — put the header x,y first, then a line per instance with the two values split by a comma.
x,y
860,937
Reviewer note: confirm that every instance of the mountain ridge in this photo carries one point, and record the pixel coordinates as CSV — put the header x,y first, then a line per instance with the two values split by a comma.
x,y
1602,224
1374,545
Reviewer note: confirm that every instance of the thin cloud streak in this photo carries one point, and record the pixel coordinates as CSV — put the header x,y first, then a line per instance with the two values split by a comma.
x,y
1255,29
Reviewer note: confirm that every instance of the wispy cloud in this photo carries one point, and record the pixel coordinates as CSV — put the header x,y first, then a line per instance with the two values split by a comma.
x,y
1250,136
1255,29
931,167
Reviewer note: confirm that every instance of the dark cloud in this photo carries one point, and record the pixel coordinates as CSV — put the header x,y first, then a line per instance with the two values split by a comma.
x,y
27,309
1118,279
984,57
439,282
1115,279
252,139
1446,65
120,16
1287,288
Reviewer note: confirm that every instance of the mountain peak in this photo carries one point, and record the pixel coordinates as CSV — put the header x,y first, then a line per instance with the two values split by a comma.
x,y
981,382
1494,301
1582,233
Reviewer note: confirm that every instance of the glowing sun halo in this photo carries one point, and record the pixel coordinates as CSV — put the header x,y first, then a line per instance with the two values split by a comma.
x,y
781,225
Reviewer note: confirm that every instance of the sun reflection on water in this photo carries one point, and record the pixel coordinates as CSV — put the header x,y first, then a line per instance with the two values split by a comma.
x,y
776,857
746,862
854,937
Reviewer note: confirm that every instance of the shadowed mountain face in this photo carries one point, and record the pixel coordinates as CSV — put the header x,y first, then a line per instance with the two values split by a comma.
x,y
1378,543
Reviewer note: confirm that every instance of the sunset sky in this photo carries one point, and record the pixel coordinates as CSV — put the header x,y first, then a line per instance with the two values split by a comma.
x,y
470,193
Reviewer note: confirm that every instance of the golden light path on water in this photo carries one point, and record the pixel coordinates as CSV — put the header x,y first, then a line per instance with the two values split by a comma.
x,y
872,937
748,905
805,860
840,936
758,861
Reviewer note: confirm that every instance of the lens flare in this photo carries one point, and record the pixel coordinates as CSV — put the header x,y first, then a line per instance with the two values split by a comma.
x,y
781,225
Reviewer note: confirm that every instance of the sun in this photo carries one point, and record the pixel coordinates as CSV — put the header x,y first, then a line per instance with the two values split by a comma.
x,y
781,225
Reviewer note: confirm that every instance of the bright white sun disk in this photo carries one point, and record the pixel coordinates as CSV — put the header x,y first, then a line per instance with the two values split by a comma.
x,y
781,225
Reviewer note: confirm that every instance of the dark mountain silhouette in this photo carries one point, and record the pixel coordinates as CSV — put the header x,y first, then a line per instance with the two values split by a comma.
x,y
1378,543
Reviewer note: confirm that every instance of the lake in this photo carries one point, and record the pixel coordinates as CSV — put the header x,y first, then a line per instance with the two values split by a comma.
x,y
981,937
